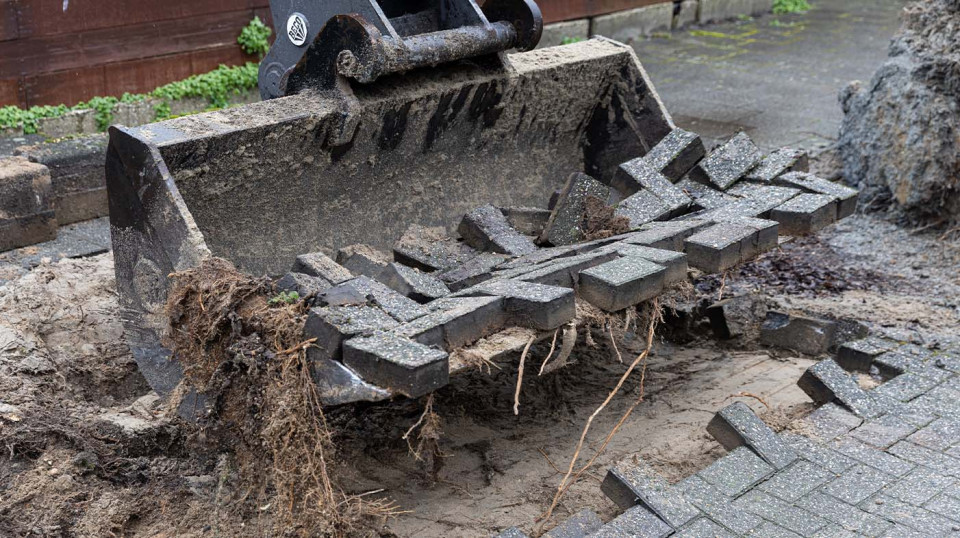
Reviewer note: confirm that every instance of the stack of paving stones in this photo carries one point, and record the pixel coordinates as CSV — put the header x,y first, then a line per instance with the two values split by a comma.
x,y
879,462
391,320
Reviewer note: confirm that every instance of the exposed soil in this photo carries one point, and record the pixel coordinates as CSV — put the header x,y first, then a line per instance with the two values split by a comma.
x,y
88,451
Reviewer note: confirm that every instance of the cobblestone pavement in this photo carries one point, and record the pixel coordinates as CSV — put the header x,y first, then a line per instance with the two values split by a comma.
x,y
879,462
776,77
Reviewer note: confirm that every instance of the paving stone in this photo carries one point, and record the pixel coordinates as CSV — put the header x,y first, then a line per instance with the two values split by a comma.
x,y
542,255
872,457
472,272
456,322
831,421
848,516
919,519
431,249
737,425
703,528
397,363
487,229
834,531
846,197
939,435
925,457
703,196
725,165
337,384
912,415
781,161
669,235
636,175
857,484
531,305
629,483
412,283
757,207
622,283
527,220
919,486
945,505
766,196
895,363
805,214
810,336
581,524
766,238
906,387
716,506
637,521
512,532
676,154
675,262
859,355
565,224
817,453
796,481
772,509
733,316
736,472
883,431
365,290
565,271
825,382
717,248
364,260
772,530
27,205
332,325
306,286
319,264
642,208
902,531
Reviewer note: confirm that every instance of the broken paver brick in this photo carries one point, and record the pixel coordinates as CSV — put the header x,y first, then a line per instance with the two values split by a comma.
x,y
675,262
306,286
636,175
410,282
637,521
456,322
486,229
858,356
805,214
704,196
583,523
736,472
643,207
332,325
473,271
728,163
27,212
319,264
337,384
676,154
564,272
633,482
807,335
737,425
399,364
717,248
781,161
825,382
431,249
846,197
717,506
365,290
616,285
363,260
527,220
733,317
530,305
565,225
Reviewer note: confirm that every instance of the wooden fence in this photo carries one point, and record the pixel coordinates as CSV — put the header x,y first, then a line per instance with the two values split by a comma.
x,y
66,51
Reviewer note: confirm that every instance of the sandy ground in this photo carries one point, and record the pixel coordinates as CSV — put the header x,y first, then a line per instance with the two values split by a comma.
x,y
89,452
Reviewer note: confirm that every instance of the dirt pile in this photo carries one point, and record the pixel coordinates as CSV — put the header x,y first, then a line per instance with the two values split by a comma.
x,y
900,138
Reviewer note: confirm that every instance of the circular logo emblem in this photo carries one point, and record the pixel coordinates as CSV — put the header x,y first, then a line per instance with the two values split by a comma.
x,y
297,29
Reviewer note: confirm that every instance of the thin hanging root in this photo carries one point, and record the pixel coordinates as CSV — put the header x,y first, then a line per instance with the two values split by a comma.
x,y
750,395
553,345
566,348
613,342
424,417
523,359
567,482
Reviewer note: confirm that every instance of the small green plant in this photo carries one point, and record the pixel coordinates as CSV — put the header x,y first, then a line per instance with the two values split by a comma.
x,y
285,297
744,17
777,23
569,40
255,38
790,6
